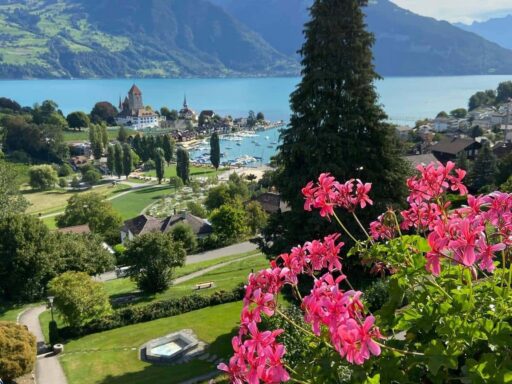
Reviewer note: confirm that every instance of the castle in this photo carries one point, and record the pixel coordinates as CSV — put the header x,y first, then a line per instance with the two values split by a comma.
x,y
134,114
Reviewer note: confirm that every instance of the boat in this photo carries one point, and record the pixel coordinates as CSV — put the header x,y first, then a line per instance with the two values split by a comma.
x,y
229,148
238,144
267,138
270,146
257,144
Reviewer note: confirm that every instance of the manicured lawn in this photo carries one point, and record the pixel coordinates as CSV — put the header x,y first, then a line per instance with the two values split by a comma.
x,y
131,204
126,285
225,278
194,171
56,200
10,312
115,360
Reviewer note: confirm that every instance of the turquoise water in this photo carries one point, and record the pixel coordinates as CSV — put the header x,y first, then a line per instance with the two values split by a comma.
x,y
405,99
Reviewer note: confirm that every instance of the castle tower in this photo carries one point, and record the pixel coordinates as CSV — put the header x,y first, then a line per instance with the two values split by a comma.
x,y
135,99
185,105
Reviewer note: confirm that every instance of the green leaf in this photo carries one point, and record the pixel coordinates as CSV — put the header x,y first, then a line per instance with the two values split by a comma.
x,y
373,380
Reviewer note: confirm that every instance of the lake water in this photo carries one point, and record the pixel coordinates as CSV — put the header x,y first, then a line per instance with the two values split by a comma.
x,y
405,99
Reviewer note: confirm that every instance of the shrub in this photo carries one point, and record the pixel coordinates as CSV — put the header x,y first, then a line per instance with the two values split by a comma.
x,y
42,177
17,351
184,233
63,182
65,170
92,177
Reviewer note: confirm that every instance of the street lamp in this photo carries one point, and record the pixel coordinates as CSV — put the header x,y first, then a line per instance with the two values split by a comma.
x,y
50,300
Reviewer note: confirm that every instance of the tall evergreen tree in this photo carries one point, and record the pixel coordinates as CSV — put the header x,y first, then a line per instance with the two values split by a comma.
x,y
337,124
144,154
111,159
96,141
127,160
118,160
215,150
484,169
159,160
137,145
104,135
183,165
168,147
122,135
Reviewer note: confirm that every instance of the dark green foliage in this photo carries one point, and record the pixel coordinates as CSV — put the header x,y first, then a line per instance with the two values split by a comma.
x,y
183,166
482,98
26,262
251,119
196,209
168,147
376,294
484,170
459,113
504,92
78,120
92,177
260,116
63,182
229,223
104,112
118,160
256,217
42,177
53,332
152,258
65,170
159,161
462,161
122,135
17,351
95,137
215,150
127,160
91,209
104,135
442,114
9,105
476,131
111,159
337,124
157,310
504,169
11,200
184,234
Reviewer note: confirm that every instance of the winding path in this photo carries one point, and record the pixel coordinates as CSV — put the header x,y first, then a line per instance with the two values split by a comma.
x,y
48,368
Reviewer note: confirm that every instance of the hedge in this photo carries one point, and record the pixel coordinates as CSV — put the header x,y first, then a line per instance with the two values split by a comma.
x,y
153,311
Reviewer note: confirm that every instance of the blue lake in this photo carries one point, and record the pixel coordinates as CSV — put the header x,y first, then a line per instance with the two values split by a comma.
x,y
405,99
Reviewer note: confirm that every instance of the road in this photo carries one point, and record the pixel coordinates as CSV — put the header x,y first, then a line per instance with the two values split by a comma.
x,y
48,368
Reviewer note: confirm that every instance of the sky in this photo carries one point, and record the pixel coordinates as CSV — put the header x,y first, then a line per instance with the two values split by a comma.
x,y
465,11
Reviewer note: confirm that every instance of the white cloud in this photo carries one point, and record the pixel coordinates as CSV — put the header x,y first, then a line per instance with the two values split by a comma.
x,y
458,10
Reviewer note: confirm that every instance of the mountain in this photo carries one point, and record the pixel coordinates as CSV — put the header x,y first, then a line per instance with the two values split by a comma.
x,y
130,38
497,30
407,44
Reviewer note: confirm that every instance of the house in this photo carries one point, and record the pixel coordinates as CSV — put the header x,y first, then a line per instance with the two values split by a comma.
x,y
425,159
441,124
403,131
80,149
271,202
502,149
449,148
145,224
134,114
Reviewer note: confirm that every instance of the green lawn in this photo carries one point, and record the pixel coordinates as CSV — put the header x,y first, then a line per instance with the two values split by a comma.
x,y
225,278
194,171
71,136
10,312
126,285
132,204
114,359
54,201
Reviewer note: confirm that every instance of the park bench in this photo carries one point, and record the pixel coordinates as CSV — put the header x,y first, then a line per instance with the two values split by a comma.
x,y
207,285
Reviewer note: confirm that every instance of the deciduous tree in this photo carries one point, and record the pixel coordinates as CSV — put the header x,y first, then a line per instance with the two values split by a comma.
x,y
183,166
127,160
168,147
159,164
78,120
229,223
12,201
183,233
42,177
118,160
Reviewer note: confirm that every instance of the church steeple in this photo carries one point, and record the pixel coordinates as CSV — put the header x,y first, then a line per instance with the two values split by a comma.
x,y
185,102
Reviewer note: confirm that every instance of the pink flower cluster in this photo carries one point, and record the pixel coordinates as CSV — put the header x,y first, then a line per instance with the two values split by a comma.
x,y
459,235
258,355
328,194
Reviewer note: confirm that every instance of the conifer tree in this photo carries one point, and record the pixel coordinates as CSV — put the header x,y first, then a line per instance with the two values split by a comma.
x,y
215,150
137,145
168,147
96,141
159,160
118,160
104,135
127,160
111,159
183,166
122,135
337,124
484,169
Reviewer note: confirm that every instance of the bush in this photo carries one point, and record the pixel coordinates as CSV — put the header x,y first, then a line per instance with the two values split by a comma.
x,y
183,233
92,177
377,294
153,311
17,351
53,332
63,182
65,170
196,209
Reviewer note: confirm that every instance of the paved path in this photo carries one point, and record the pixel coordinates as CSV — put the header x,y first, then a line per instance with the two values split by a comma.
x,y
48,368
191,259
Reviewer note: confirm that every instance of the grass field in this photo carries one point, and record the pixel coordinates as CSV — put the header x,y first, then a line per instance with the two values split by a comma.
x,y
225,278
126,285
131,204
53,201
10,312
114,359
170,171
71,136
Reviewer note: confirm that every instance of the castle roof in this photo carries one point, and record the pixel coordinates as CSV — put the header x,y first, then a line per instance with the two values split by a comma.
x,y
134,90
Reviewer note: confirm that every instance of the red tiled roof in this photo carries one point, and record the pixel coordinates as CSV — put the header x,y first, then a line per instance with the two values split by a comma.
x,y
135,90
80,229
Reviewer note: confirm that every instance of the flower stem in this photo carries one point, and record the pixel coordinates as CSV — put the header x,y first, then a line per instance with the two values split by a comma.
x,y
344,228
400,350
362,227
294,323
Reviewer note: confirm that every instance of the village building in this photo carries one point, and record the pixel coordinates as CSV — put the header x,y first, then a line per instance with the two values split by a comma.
x,y
145,224
449,148
187,113
423,159
271,202
134,114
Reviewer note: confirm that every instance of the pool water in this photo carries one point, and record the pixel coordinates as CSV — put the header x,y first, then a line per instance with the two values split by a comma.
x,y
168,349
